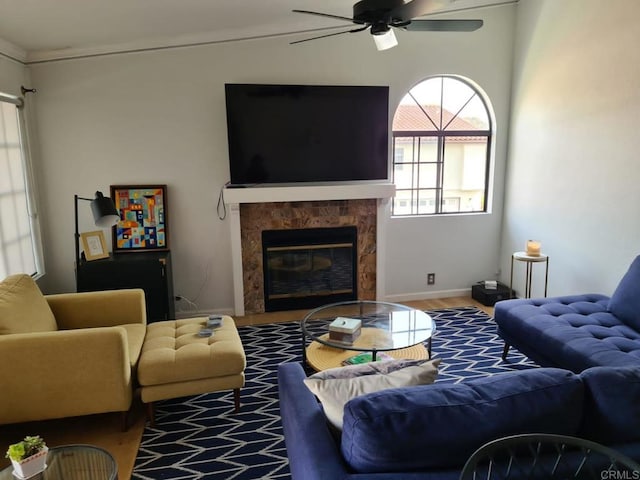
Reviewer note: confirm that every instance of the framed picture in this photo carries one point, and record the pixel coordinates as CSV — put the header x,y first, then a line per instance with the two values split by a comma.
x,y
94,245
143,218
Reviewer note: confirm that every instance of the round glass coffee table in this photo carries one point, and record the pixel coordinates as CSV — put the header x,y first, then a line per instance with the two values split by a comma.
x,y
398,330
71,462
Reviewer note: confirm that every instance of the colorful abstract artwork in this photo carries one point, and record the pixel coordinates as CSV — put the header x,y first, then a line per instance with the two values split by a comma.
x,y
143,217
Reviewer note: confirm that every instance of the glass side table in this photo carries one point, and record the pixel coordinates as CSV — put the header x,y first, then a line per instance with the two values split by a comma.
x,y
73,462
529,260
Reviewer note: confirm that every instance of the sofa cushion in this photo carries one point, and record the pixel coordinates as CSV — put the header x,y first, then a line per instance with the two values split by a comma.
x,y
334,393
625,301
611,406
23,308
441,425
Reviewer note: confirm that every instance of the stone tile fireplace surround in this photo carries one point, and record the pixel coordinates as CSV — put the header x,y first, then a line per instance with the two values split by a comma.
x,y
255,209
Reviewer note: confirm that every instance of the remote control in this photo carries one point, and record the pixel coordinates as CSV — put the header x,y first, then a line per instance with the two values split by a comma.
x,y
214,321
205,332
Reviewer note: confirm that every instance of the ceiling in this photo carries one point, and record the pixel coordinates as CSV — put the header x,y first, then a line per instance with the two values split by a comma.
x,y
40,30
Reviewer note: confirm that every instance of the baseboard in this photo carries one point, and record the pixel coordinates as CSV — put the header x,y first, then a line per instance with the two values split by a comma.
x,y
401,297
406,297
203,313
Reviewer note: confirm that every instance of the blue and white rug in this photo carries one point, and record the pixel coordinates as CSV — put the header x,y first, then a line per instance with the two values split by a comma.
x,y
200,437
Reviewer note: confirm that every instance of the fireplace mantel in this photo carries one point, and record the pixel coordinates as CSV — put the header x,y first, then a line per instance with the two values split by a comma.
x,y
233,197
295,193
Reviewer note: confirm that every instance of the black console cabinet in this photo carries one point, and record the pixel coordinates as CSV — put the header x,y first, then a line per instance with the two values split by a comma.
x,y
150,271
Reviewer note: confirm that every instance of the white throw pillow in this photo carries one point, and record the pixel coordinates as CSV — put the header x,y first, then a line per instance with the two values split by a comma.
x,y
369,368
334,393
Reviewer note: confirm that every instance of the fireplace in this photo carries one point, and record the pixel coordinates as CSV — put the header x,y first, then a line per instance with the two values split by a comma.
x,y
306,268
253,210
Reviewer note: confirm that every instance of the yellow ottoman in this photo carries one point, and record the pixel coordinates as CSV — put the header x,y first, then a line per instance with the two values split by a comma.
x,y
176,362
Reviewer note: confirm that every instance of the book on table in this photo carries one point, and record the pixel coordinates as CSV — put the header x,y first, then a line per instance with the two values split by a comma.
x,y
345,325
366,357
345,330
344,338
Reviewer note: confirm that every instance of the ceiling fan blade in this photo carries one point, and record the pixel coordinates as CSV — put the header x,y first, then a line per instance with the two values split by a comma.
x,y
415,8
328,15
444,25
330,35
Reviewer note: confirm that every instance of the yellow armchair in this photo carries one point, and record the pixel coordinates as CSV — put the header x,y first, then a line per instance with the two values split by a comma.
x,y
83,363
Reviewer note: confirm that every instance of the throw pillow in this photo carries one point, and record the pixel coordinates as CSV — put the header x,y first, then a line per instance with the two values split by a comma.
x,y
334,393
23,308
625,301
370,368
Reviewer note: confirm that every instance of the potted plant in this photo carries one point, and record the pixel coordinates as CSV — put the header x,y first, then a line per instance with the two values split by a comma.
x,y
29,456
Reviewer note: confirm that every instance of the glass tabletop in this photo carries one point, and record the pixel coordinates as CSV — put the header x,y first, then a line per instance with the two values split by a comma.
x,y
384,326
74,462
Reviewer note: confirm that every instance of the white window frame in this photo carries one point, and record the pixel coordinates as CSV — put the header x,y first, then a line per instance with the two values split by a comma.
x,y
30,187
441,136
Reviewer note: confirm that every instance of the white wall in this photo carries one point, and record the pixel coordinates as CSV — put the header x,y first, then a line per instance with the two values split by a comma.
x,y
159,117
12,75
574,170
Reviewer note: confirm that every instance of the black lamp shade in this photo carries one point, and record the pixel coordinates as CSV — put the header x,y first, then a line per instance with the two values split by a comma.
x,y
104,211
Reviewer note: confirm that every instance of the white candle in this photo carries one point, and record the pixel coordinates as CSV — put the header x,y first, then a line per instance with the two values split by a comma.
x,y
533,248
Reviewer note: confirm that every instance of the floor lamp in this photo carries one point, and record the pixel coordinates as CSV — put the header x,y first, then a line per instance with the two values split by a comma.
x,y
104,212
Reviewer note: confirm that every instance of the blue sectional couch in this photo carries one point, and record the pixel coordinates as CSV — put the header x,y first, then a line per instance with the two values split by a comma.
x,y
428,431
579,331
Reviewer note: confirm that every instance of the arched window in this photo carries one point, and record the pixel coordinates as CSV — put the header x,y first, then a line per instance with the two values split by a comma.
x,y
442,140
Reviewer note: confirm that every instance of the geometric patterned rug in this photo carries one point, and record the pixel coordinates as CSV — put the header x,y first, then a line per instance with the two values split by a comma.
x,y
200,436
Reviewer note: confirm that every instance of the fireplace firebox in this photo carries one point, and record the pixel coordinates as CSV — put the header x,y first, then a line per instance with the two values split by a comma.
x,y
306,268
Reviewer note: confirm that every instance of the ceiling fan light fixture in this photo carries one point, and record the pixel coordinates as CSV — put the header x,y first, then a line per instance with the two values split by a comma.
x,y
381,16
385,40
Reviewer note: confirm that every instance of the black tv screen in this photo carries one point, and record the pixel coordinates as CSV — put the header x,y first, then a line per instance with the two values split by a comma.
x,y
307,133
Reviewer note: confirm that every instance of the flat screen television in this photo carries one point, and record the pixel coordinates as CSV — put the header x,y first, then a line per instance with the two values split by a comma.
x,y
307,133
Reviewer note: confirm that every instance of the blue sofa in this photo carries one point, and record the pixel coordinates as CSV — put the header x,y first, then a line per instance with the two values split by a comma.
x,y
579,331
428,431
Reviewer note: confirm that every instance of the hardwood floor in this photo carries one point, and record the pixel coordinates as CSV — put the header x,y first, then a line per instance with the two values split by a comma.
x,y
105,430
292,315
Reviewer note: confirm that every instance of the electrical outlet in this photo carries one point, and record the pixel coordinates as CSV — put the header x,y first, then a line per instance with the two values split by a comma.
x,y
431,278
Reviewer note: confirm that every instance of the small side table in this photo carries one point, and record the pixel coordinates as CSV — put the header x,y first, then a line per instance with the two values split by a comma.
x,y
74,461
530,260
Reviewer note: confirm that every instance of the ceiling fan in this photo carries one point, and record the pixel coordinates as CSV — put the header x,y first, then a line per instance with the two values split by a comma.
x,y
381,15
